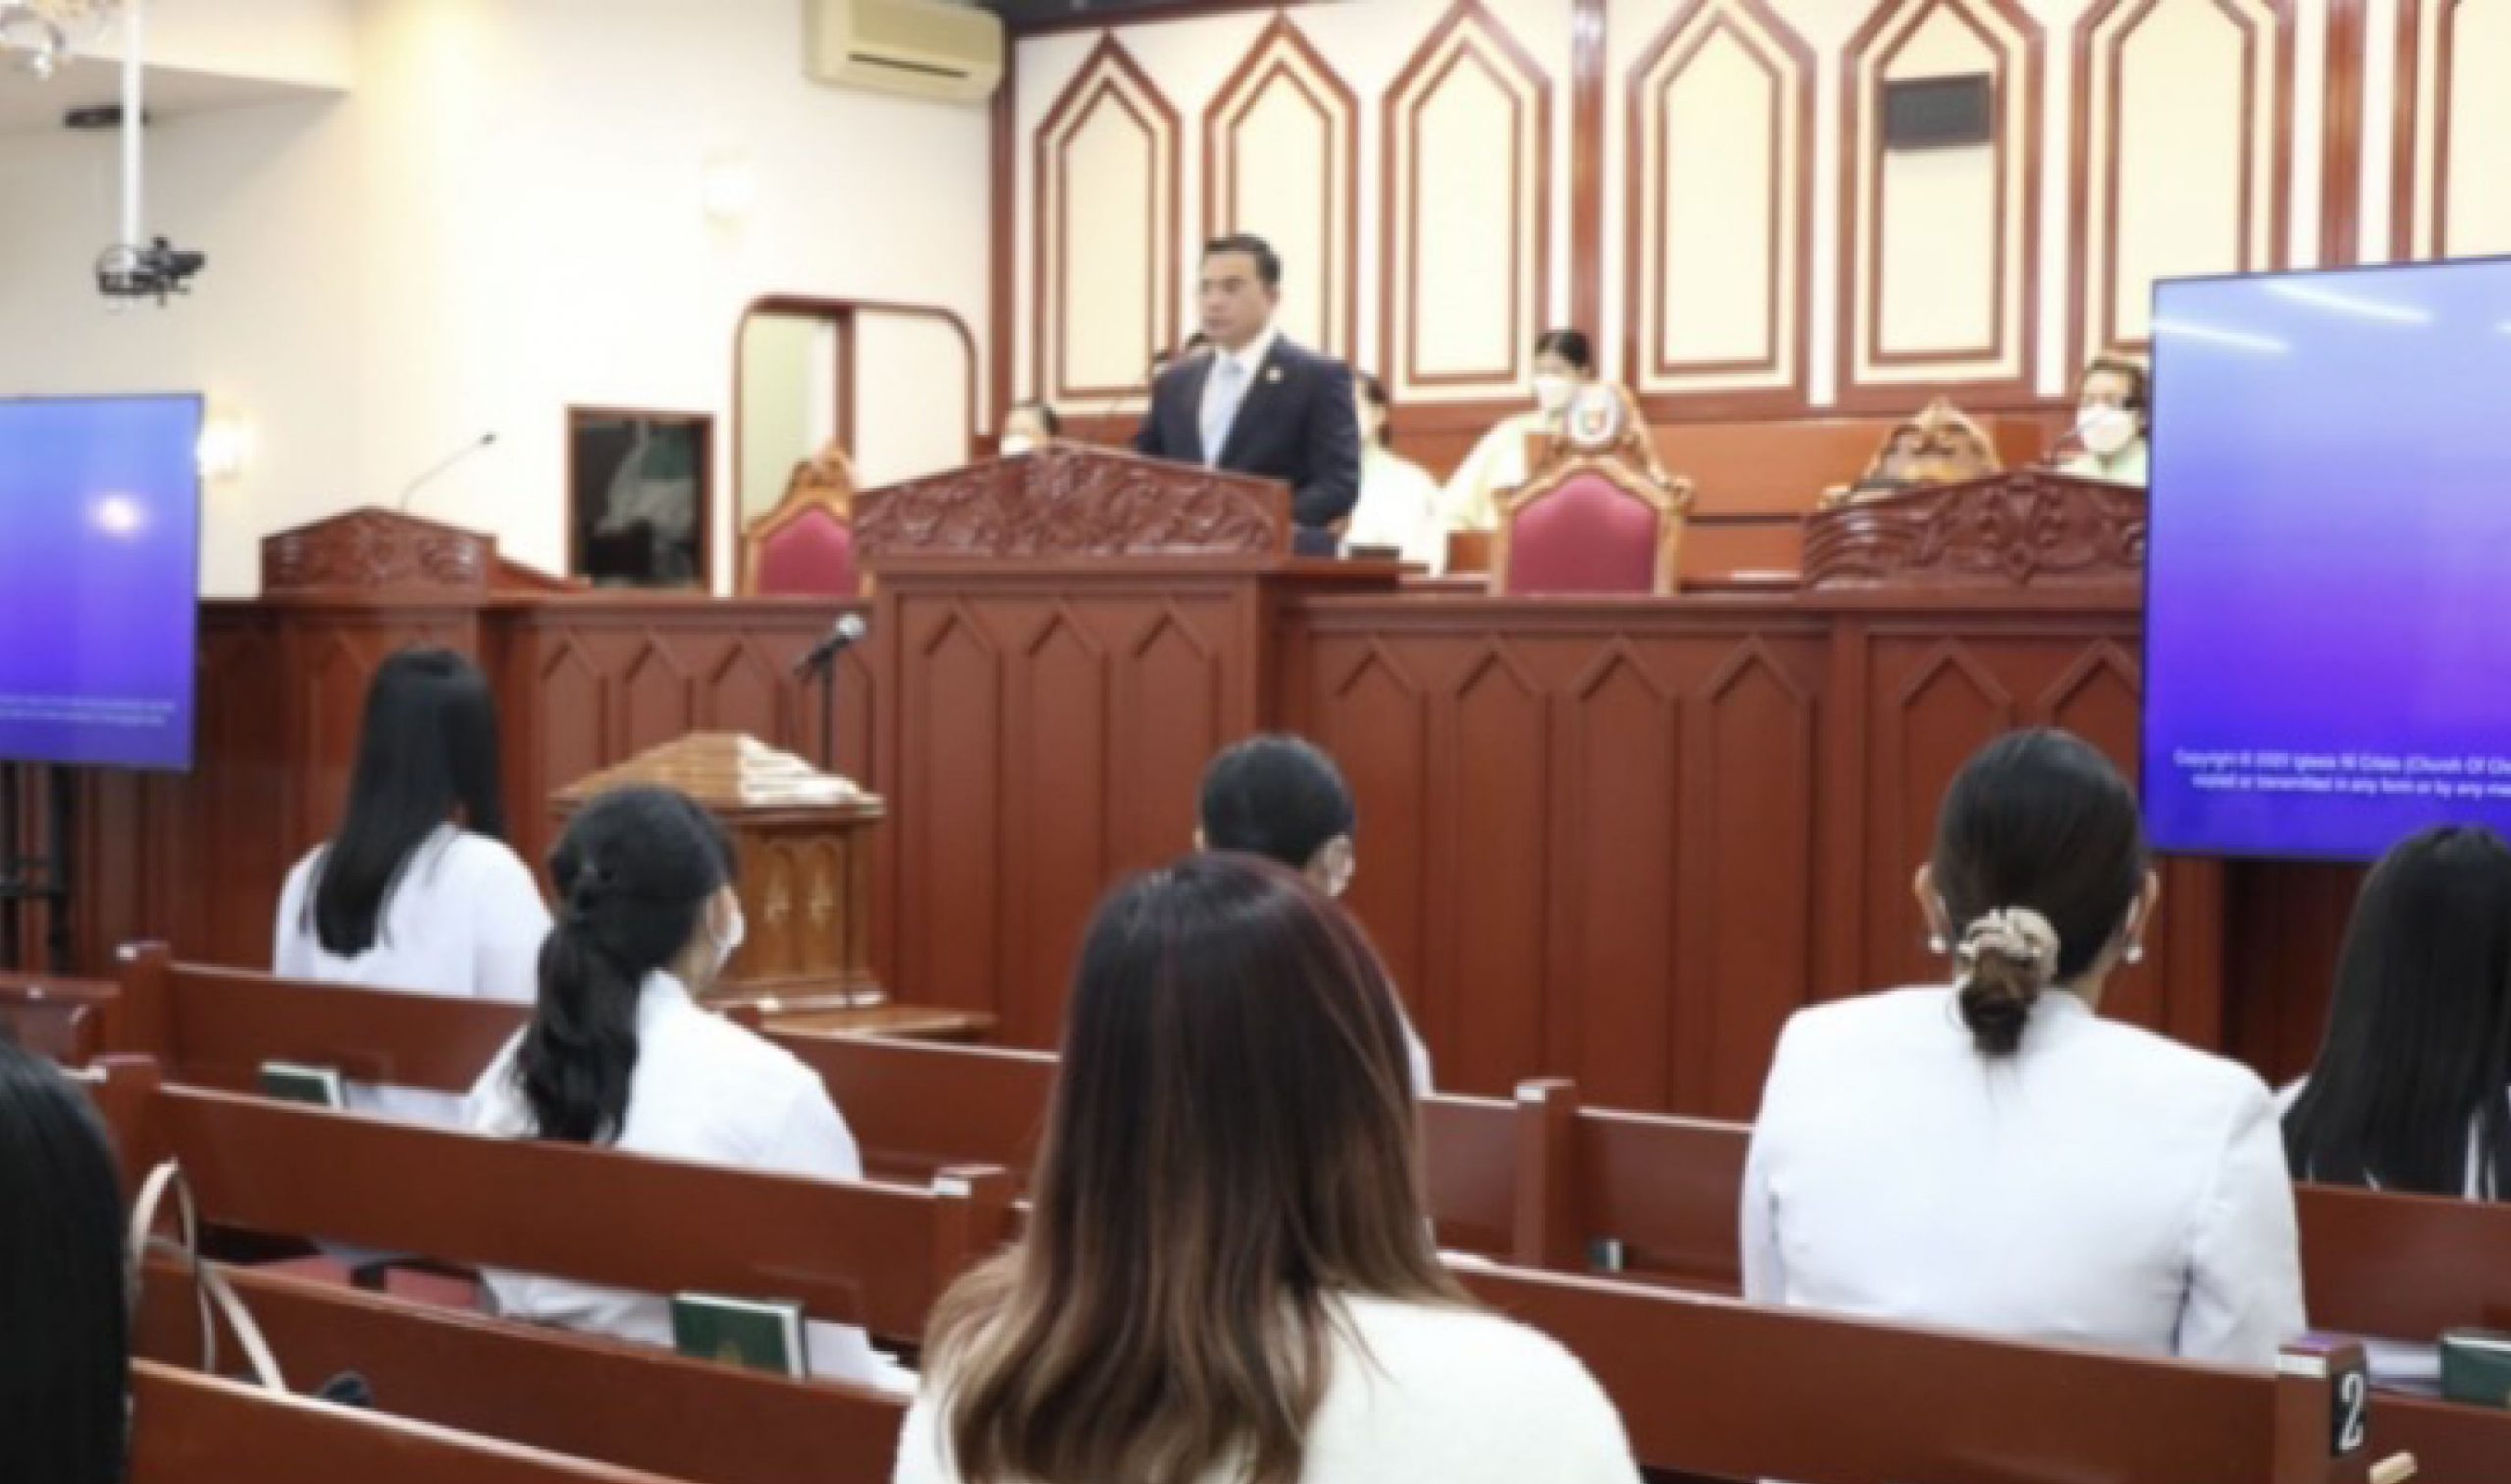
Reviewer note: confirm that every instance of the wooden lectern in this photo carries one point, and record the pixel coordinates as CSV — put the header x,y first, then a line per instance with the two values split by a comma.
x,y
804,839
1064,640
2027,528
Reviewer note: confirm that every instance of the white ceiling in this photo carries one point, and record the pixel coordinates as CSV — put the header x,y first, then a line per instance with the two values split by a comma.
x,y
29,104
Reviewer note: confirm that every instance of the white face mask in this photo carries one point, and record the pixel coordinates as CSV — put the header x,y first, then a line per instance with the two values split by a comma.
x,y
1015,444
2108,431
1552,394
735,933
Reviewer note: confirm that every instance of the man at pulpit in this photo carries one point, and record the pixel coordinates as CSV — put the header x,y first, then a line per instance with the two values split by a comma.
x,y
2111,411
1257,404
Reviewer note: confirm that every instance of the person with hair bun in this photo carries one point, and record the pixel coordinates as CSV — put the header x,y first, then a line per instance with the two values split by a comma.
x,y
620,1054
1995,1155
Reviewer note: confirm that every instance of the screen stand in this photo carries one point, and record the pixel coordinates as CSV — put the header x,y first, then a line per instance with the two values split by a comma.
x,y
35,819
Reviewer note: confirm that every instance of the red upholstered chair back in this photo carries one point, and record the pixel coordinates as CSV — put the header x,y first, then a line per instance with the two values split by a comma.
x,y
804,547
811,555
1587,535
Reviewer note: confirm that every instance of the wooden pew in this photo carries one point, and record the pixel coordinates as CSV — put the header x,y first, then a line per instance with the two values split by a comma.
x,y
917,1107
1713,1386
191,1429
630,1406
57,1018
868,1253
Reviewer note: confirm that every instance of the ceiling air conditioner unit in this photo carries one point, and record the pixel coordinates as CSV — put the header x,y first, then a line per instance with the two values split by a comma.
x,y
922,48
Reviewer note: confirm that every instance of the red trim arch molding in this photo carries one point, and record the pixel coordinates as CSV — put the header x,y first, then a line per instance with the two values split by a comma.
x,y
2183,126
1110,141
1282,159
1721,197
1468,140
1939,268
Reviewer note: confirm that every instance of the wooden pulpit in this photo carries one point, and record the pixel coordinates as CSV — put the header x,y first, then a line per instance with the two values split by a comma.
x,y
804,839
1062,640
2026,528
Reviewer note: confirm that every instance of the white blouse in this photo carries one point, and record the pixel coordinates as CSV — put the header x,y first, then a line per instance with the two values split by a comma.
x,y
707,1090
1418,1394
2103,1186
1496,466
1400,508
465,919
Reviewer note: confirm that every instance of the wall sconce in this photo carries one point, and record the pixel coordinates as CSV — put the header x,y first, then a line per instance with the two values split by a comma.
x,y
729,186
226,446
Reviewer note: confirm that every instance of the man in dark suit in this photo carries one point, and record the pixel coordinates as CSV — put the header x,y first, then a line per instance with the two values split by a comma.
x,y
1257,404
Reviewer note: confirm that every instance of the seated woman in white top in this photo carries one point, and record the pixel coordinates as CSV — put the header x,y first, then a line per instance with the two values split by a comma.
x,y
418,891
1398,504
619,1053
1228,1275
1995,1155
1563,361
1281,796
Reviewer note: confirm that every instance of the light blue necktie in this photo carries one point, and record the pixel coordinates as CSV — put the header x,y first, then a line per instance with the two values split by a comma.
x,y
1220,405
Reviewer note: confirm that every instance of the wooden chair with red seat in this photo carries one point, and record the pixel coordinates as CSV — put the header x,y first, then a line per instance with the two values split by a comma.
x,y
1598,515
804,547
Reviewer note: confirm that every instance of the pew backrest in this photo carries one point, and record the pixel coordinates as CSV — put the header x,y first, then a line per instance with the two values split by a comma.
x,y
192,1429
59,1019
630,1406
918,1106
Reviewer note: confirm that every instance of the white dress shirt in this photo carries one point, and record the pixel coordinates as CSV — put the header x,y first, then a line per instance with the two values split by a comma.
x,y
1400,508
2102,1186
1427,1394
1250,360
466,919
707,1090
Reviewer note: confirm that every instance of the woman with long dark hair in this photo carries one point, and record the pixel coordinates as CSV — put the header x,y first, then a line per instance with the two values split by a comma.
x,y
2412,1089
1995,1155
418,891
620,1054
1228,1272
65,1329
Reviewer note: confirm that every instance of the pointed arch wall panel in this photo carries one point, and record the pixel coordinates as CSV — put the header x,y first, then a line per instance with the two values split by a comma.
x,y
1106,182
2454,113
1282,160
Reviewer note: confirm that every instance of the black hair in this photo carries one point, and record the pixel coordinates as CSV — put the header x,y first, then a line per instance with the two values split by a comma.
x,y
1572,346
2140,397
65,1327
1375,391
2412,1089
634,873
1048,417
1275,795
427,756
1269,263
2038,822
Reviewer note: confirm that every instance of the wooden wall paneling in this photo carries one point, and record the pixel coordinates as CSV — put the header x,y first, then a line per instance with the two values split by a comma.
x,y
1002,263
2341,123
2182,155
1941,293
1282,159
1589,22
2454,116
1111,141
1467,146
1722,97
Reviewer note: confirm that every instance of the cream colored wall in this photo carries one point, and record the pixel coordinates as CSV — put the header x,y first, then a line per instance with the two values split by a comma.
x,y
783,418
502,217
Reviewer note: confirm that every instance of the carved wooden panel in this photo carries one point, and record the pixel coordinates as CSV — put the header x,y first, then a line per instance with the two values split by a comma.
x,y
1106,266
1467,220
2010,531
1721,161
2183,120
1072,502
1282,160
369,550
1940,261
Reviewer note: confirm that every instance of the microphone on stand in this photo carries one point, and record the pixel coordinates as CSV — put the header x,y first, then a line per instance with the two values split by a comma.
x,y
429,474
843,634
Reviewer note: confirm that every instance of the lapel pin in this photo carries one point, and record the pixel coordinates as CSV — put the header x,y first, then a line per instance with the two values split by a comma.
x,y
1273,374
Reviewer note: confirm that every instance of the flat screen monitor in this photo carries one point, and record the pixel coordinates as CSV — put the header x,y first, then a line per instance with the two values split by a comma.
x,y
2328,567
99,580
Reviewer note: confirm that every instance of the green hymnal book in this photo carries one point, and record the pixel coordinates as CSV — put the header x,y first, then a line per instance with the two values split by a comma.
x,y
2475,1366
296,1082
762,1334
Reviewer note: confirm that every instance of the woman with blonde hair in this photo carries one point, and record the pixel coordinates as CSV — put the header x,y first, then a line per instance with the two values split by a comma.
x,y
1228,1275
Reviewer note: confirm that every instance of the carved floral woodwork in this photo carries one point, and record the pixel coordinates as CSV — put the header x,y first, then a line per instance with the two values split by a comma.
x,y
1075,503
2028,529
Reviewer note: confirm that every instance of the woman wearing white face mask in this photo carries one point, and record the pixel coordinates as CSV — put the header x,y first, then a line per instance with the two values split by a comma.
x,y
1031,426
1563,361
2110,423
1281,796
620,1054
